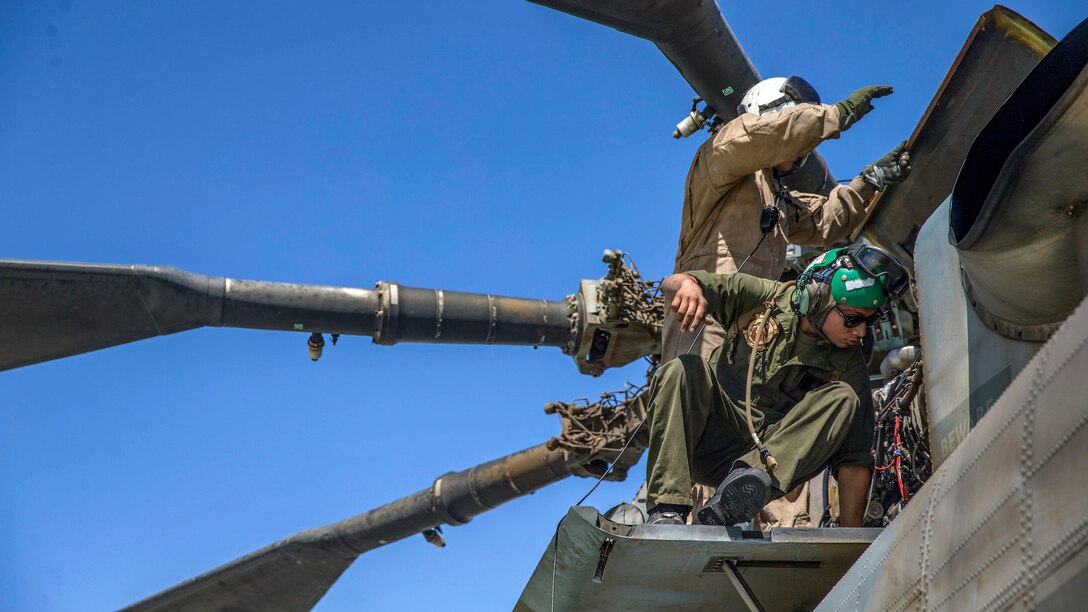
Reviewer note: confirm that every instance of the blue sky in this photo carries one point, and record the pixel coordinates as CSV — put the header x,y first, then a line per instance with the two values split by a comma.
x,y
491,146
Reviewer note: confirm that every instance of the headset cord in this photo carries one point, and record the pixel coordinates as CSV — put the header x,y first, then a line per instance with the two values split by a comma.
x,y
757,344
611,466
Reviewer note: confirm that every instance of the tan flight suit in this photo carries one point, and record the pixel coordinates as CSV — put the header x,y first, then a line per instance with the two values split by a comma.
x,y
728,185
811,402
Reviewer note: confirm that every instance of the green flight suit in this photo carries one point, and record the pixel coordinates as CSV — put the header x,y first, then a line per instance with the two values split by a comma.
x,y
811,402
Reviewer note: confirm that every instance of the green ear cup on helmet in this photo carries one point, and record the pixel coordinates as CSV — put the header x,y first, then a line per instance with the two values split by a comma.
x,y
802,298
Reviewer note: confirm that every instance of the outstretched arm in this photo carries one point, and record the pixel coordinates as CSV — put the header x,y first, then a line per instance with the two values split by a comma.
x,y
822,221
749,143
752,143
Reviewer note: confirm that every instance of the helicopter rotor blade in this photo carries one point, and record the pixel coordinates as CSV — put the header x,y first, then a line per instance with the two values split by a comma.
x,y
294,573
287,576
691,33
62,309
695,37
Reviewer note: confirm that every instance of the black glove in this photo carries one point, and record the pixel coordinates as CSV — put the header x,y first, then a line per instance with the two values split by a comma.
x,y
891,169
852,109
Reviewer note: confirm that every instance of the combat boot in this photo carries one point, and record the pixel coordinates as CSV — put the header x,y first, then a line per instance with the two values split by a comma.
x,y
740,497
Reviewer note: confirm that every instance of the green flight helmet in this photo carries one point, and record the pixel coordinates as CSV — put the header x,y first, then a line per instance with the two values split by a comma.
x,y
851,284
853,287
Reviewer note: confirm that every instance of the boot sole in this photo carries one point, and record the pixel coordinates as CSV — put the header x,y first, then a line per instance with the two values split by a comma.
x,y
736,502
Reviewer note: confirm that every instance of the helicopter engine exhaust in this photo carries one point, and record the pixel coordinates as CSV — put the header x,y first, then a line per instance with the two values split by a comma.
x,y
1017,218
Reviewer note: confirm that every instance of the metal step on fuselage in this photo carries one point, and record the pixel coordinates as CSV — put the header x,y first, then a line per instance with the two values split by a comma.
x,y
603,565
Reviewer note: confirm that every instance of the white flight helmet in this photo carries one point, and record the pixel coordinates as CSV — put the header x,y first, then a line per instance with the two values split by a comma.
x,y
771,95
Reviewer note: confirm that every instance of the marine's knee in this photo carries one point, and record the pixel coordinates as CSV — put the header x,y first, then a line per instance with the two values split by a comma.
x,y
839,396
693,365
684,366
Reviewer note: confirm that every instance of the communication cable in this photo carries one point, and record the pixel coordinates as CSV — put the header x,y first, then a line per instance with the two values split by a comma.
x,y
703,325
555,553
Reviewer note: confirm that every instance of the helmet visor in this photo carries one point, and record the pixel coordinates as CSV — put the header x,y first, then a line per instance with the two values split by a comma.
x,y
879,264
800,90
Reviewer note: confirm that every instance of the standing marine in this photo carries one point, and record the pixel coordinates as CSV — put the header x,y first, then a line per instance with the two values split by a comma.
x,y
737,209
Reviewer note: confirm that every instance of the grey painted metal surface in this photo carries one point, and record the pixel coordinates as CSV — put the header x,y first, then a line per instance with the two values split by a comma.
x,y
695,37
65,309
680,567
967,364
1016,245
1020,193
1004,521
968,97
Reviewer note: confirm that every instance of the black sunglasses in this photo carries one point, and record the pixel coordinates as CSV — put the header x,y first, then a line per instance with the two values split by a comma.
x,y
855,320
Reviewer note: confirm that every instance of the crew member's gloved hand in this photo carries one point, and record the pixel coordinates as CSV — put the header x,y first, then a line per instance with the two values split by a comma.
x,y
852,109
888,170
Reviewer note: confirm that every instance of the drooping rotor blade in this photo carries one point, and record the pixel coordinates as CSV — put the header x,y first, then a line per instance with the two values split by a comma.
x,y
967,99
691,33
53,310
294,573
694,36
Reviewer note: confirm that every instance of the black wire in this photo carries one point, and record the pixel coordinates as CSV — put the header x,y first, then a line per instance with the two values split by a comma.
x,y
555,550
613,464
752,253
